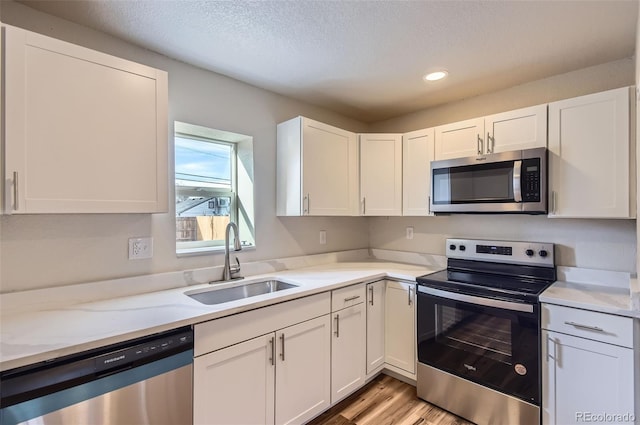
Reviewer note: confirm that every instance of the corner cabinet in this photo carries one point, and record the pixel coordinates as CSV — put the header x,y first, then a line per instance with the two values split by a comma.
x,y
417,154
317,169
589,370
381,174
400,326
84,132
375,326
524,128
592,156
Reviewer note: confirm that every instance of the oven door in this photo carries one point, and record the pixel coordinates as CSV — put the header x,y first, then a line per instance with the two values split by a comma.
x,y
491,342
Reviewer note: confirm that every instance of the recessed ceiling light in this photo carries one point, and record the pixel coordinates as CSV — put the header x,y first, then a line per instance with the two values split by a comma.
x,y
436,75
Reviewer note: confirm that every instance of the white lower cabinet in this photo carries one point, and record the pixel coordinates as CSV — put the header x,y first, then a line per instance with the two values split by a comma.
x,y
235,385
375,326
348,352
269,365
303,370
584,378
289,362
348,342
400,326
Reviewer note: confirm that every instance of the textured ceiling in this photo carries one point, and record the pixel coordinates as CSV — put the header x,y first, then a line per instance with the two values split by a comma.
x,y
365,59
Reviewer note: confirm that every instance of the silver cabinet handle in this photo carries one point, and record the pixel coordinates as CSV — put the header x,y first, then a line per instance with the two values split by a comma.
x,y
409,295
554,201
581,326
351,298
517,183
490,143
480,145
16,204
371,294
337,332
282,352
364,206
306,205
272,359
549,356
429,204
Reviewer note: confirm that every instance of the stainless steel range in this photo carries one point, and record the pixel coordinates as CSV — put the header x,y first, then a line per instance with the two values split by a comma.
x,y
479,330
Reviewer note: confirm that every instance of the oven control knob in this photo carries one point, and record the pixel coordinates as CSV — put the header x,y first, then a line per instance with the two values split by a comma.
x,y
452,247
543,253
462,247
529,252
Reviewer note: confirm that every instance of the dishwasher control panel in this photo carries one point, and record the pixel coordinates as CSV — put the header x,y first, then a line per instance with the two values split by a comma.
x,y
141,352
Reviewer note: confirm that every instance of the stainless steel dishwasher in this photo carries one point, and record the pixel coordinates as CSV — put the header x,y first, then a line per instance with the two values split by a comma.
x,y
142,381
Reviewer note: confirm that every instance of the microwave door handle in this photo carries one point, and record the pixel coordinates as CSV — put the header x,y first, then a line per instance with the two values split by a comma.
x,y
517,185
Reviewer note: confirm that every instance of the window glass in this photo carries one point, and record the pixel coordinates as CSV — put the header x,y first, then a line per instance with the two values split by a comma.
x,y
206,187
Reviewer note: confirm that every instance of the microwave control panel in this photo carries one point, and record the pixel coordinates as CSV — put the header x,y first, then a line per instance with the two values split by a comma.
x,y
530,179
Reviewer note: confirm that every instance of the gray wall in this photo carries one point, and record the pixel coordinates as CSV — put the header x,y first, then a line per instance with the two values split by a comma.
x,y
598,244
49,250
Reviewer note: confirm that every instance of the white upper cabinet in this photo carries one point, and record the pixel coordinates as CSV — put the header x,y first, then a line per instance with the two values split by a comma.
x,y
381,174
524,128
417,154
84,132
317,169
591,159
459,139
515,130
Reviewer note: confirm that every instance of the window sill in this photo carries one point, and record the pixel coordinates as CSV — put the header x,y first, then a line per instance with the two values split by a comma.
x,y
208,250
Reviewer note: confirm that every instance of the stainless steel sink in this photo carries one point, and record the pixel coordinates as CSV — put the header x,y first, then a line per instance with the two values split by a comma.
x,y
211,296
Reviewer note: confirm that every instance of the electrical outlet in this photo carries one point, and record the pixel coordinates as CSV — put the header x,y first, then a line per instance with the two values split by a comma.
x,y
323,237
410,232
140,248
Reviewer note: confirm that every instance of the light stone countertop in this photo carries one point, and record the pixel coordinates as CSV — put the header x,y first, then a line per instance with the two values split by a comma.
x,y
49,332
50,328
596,290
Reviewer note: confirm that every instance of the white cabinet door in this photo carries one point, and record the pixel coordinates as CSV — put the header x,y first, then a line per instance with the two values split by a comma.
x,y
400,326
590,157
375,326
303,370
348,351
235,385
581,377
417,154
317,169
85,132
515,130
460,139
381,174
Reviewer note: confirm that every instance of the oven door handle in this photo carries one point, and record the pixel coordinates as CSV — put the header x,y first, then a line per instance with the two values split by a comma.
x,y
472,299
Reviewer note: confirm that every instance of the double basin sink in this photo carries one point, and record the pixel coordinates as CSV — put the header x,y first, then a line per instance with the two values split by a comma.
x,y
211,296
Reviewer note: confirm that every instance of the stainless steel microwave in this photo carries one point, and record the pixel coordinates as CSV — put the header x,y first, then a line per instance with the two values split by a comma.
x,y
508,182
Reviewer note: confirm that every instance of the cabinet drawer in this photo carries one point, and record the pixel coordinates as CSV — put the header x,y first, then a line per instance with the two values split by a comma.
x,y
603,327
348,296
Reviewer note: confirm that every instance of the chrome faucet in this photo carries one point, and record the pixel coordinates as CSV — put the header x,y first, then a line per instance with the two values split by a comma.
x,y
229,270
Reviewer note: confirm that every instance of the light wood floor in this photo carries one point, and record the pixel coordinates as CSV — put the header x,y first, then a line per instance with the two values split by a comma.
x,y
384,401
